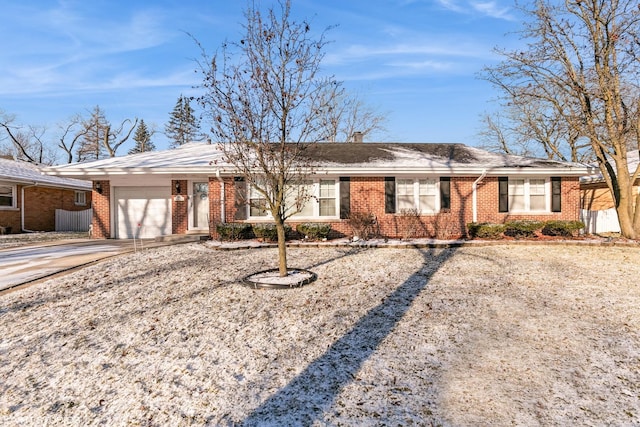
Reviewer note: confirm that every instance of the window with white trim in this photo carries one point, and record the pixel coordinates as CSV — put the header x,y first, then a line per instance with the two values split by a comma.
x,y
327,198
7,196
528,195
257,203
80,198
321,201
419,194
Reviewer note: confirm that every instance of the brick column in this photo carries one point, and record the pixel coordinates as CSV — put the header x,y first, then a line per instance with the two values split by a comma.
x,y
179,208
101,220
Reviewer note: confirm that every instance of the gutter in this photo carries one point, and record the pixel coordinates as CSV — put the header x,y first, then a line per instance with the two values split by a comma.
x,y
35,184
222,199
475,195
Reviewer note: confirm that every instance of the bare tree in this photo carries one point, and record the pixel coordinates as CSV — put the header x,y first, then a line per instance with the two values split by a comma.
x,y
267,101
98,139
348,114
120,135
27,144
71,132
582,57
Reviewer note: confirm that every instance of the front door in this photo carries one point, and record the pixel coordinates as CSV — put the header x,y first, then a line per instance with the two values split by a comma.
x,y
200,205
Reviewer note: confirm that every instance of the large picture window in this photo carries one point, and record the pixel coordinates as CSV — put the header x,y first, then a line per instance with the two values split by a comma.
x,y
322,201
7,196
418,194
524,195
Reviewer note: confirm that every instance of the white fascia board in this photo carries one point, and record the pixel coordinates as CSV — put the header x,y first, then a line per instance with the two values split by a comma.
x,y
343,171
475,171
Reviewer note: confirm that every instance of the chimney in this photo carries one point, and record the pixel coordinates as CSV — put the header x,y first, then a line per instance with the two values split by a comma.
x,y
357,136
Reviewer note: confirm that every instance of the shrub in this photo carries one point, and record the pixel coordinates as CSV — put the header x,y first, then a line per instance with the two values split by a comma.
x,y
314,230
562,228
234,231
363,225
523,228
268,232
485,230
409,224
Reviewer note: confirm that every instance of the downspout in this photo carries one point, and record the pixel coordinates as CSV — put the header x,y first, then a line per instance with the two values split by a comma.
x,y
24,230
475,194
222,199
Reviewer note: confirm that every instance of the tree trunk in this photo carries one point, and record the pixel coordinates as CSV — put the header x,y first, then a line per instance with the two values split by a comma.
x,y
282,247
625,203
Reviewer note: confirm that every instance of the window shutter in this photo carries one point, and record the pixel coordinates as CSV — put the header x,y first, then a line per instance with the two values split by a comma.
x,y
445,193
240,202
389,194
556,194
503,194
345,197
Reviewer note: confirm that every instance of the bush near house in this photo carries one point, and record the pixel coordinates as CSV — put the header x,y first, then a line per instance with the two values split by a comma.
x,y
562,228
524,229
485,230
268,232
363,224
234,231
314,230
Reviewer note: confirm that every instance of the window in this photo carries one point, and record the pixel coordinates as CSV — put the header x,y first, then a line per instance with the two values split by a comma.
x,y
80,198
327,198
419,194
523,194
322,200
257,203
7,196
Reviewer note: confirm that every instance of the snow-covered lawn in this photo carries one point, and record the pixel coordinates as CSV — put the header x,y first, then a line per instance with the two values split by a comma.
x,y
496,335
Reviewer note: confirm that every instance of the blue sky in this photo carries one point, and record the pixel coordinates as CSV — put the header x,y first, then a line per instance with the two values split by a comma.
x,y
415,61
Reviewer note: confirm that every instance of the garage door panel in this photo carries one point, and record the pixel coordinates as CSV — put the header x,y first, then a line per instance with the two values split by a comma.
x,y
143,212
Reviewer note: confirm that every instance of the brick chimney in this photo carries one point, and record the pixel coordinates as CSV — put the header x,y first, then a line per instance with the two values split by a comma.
x,y
357,136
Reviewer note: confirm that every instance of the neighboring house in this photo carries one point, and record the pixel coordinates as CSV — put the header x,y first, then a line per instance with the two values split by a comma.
x,y
598,209
184,190
29,199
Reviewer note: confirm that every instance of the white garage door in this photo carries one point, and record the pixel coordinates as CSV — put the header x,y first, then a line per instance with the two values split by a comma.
x,y
142,212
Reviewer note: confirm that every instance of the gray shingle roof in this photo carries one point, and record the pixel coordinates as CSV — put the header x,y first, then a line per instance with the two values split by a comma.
x,y
347,158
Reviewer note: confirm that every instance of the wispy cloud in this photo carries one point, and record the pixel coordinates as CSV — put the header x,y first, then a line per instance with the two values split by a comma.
x,y
489,8
74,49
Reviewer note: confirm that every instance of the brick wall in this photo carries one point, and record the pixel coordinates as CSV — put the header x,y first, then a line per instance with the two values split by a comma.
x,y
368,196
101,221
488,203
40,208
179,208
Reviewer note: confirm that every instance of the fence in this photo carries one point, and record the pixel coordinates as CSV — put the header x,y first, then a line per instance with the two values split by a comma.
x,y
73,220
605,221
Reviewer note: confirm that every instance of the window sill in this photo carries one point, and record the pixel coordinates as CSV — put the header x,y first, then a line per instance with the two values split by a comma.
x,y
530,213
9,208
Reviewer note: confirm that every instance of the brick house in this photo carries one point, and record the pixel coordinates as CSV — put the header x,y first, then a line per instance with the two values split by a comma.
x,y
29,199
185,190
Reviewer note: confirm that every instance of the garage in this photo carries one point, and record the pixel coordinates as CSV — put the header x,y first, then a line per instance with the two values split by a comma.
x,y
142,212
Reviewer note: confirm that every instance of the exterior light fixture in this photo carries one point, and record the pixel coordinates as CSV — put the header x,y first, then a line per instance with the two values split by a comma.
x,y
178,188
99,187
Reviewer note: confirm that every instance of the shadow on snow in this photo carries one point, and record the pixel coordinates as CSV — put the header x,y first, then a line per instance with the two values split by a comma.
x,y
314,391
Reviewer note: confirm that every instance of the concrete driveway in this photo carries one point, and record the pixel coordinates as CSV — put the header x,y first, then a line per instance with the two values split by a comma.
x,y
29,263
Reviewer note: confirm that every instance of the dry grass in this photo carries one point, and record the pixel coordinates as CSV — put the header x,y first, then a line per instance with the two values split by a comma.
x,y
499,335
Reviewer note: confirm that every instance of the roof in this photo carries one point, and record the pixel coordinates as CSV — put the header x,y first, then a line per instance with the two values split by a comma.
x,y
364,159
633,160
17,171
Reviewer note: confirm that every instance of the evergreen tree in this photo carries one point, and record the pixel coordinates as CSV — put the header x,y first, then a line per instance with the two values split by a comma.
x,y
183,125
142,138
